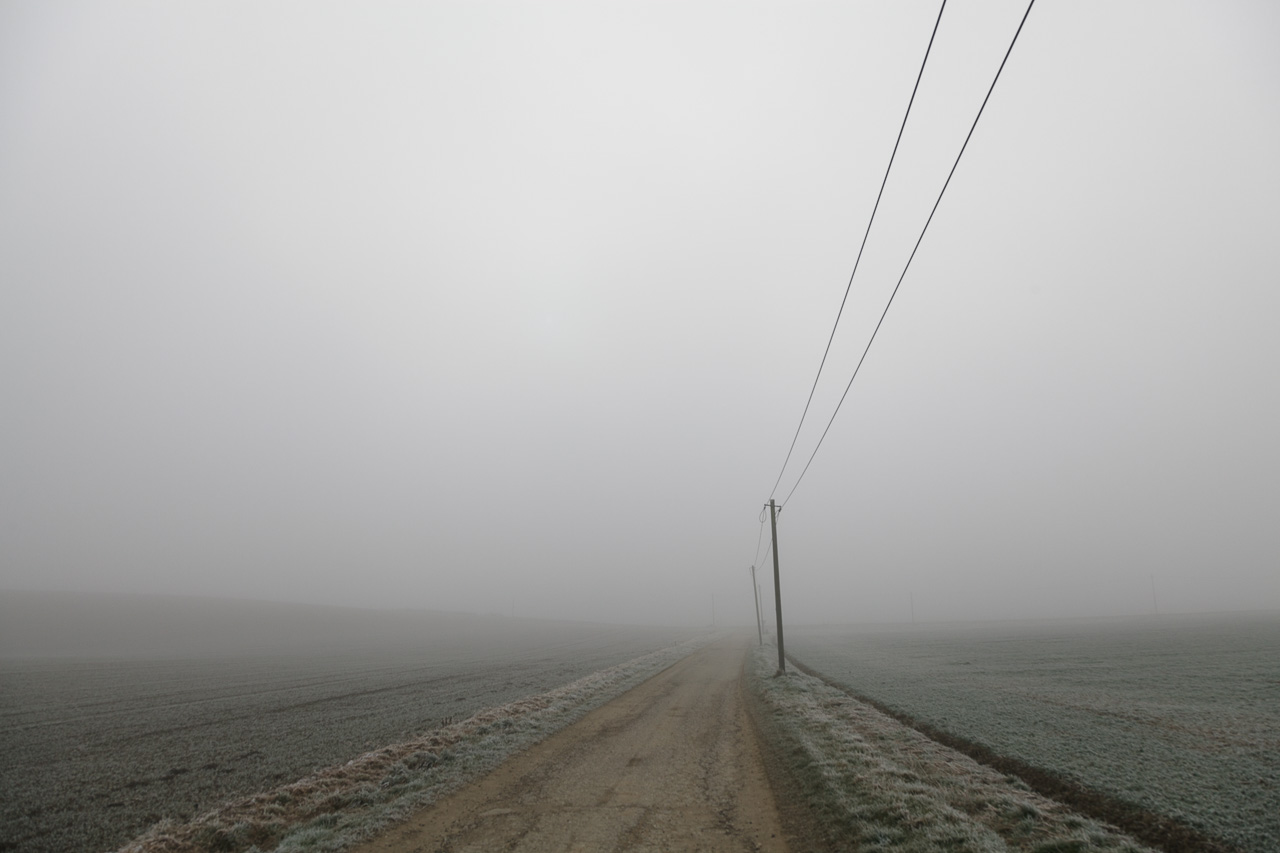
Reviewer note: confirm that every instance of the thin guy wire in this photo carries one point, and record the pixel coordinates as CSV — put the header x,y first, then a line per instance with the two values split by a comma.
x,y
913,252
858,260
759,539
767,547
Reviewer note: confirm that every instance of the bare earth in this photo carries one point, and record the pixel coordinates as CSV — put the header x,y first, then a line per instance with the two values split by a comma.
x,y
671,765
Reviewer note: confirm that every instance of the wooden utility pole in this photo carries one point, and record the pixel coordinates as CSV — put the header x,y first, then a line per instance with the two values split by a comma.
x,y
777,585
755,591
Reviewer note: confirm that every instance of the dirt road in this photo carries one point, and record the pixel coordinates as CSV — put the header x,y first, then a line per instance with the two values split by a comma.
x,y
671,765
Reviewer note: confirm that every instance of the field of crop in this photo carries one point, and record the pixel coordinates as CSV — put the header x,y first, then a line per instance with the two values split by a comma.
x,y
1177,714
93,751
875,785
341,805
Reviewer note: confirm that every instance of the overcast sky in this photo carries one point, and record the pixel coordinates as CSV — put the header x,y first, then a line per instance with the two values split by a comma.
x,y
514,307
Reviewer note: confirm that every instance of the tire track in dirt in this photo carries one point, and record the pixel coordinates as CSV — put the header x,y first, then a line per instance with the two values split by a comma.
x,y
671,765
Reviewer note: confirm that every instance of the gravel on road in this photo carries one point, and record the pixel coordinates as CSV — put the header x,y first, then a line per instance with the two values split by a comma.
x,y
671,765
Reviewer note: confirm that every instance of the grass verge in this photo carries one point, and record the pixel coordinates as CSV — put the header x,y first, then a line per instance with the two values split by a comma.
x,y
874,784
343,805
1161,831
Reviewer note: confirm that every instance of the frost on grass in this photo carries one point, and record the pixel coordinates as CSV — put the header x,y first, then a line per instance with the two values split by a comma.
x,y
877,785
338,806
1177,716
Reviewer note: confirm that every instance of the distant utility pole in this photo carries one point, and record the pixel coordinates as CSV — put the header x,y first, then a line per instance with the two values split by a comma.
x,y
777,585
755,590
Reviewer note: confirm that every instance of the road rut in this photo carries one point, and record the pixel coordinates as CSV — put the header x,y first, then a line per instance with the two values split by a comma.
x,y
671,765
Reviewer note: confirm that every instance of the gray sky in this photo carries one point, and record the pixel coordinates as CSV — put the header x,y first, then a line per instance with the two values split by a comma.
x,y
495,306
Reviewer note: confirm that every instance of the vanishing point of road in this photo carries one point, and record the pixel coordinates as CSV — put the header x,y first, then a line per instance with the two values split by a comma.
x,y
671,765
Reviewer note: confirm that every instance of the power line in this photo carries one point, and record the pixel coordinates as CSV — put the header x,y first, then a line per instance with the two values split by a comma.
x,y
858,260
767,546
759,539
913,252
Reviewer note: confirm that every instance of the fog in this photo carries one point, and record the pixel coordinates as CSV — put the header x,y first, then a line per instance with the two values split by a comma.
x,y
512,308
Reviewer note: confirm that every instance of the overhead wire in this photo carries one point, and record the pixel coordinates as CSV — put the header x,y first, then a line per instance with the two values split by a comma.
x,y
759,539
858,259
768,546
947,183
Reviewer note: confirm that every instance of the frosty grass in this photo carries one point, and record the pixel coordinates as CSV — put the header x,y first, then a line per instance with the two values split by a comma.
x,y
339,806
1178,714
878,785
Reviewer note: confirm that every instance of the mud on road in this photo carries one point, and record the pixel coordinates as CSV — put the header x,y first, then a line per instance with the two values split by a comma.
x,y
671,765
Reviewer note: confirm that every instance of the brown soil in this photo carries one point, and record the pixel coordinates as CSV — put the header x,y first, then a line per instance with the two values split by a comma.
x,y
671,765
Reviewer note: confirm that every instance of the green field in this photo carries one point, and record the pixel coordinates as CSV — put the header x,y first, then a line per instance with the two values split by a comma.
x,y
1177,714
